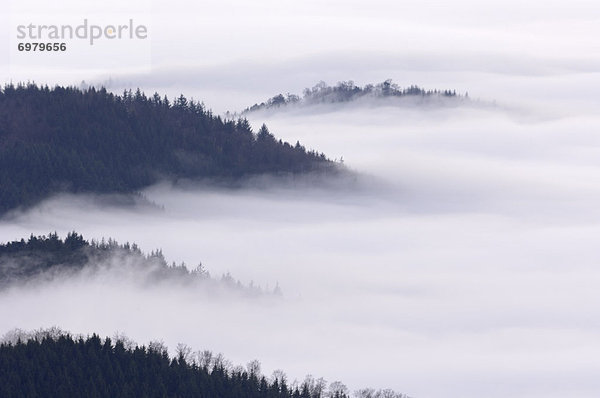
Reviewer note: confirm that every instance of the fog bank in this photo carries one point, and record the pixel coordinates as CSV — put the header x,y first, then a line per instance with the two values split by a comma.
x,y
462,257
463,260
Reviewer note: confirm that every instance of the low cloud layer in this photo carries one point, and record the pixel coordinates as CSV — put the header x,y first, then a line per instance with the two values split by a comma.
x,y
461,259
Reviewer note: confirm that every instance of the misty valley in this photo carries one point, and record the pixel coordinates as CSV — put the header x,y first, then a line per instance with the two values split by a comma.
x,y
142,235
62,143
300,199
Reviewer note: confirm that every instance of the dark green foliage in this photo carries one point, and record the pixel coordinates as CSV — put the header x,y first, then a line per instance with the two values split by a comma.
x,y
22,260
61,366
348,91
66,139
48,257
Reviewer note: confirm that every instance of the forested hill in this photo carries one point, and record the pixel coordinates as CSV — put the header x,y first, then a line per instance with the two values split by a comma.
x,y
49,258
52,363
347,92
67,139
60,366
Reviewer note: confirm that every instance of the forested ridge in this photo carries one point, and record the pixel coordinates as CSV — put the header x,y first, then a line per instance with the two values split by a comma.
x,y
48,257
347,92
92,367
53,363
68,139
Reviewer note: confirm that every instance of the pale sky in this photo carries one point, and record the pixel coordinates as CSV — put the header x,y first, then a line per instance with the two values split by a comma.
x,y
229,53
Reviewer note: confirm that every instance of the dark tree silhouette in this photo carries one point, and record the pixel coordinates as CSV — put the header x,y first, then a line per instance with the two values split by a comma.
x,y
48,257
67,139
59,365
347,91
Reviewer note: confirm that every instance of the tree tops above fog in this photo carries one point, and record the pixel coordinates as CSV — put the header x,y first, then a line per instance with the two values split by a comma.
x,y
67,139
347,91
53,363
49,258
60,366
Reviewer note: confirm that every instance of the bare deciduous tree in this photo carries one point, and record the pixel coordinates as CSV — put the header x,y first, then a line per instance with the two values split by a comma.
x,y
158,346
337,389
254,368
184,353
205,359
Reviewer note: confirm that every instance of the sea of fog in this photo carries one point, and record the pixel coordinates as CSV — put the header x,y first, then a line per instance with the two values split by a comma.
x,y
462,261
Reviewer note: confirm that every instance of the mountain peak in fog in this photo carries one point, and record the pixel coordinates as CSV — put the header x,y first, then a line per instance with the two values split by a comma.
x,y
68,139
345,92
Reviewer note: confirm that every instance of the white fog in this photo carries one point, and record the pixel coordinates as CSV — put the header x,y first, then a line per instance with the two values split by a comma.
x,y
462,261
462,258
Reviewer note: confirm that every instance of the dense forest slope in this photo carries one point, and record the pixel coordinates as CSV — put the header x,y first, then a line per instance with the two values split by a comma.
x,y
347,92
52,363
66,139
61,366
47,258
